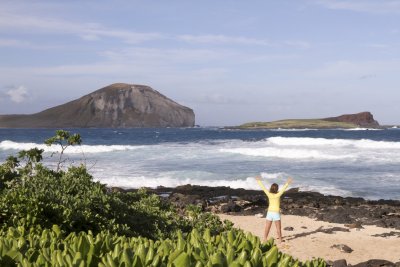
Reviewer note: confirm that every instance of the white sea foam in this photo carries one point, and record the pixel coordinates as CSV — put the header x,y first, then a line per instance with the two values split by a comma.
x,y
292,130
362,129
287,153
248,183
10,145
170,181
308,141
335,163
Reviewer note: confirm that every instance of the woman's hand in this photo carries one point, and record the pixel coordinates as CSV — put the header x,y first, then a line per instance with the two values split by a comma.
x,y
290,180
258,178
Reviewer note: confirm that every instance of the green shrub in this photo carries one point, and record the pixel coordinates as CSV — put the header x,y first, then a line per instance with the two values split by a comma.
x,y
74,201
32,194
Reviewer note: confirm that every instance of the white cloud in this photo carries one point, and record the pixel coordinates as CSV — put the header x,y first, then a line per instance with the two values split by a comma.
x,y
367,76
220,99
378,46
12,21
353,70
222,39
299,44
88,31
165,56
370,6
395,31
90,37
240,40
13,43
18,94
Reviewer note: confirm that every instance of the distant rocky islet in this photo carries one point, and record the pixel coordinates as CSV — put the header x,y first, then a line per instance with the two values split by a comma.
x,y
347,121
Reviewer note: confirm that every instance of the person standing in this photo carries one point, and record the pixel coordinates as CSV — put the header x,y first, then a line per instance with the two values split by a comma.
x,y
273,213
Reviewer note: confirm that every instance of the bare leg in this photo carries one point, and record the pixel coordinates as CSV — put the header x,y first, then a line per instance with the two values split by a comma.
x,y
267,228
278,230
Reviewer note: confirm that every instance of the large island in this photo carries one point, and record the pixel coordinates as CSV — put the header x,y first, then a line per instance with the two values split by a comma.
x,y
118,105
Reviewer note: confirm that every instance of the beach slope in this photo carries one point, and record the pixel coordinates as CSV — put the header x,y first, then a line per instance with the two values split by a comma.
x,y
312,239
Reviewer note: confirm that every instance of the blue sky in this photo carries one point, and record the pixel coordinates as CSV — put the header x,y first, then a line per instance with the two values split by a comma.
x,y
231,61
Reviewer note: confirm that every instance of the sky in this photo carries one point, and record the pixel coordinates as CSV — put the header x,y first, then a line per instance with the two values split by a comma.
x,y
230,61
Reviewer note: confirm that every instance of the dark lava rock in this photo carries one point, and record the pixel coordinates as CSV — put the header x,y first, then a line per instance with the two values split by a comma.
x,y
339,263
181,200
334,209
375,263
334,229
289,228
230,207
356,225
340,217
391,233
343,248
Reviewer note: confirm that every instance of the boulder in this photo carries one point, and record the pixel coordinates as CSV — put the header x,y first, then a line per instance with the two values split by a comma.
x,y
343,248
375,263
339,263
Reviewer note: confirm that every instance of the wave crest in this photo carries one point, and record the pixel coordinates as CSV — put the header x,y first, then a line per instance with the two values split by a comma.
x,y
308,141
10,145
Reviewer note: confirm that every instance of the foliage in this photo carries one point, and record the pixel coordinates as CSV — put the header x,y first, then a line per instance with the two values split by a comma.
x,y
8,171
11,171
36,247
64,139
206,220
75,202
32,194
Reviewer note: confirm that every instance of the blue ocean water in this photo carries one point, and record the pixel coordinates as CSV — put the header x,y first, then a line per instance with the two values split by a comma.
x,y
359,162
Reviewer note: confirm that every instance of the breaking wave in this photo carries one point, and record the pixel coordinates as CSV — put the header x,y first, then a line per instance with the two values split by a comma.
x,y
10,145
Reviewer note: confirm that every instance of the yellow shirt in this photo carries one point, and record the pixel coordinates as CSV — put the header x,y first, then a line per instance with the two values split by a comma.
x,y
274,199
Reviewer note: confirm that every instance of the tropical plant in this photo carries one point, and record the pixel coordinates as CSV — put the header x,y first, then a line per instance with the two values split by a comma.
x,y
51,247
64,139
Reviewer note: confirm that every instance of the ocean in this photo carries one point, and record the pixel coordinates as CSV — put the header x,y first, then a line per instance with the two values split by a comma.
x,y
358,162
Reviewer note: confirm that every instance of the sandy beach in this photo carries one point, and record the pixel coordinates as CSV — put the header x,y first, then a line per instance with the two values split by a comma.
x,y
308,239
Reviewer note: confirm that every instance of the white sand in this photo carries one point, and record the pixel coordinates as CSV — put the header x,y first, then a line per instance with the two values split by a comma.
x,y
365,246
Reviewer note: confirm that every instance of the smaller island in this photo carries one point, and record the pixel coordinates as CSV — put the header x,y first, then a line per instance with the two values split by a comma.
x,y
347,121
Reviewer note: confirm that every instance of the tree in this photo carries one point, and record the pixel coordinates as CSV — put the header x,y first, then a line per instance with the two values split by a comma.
x,y
64,139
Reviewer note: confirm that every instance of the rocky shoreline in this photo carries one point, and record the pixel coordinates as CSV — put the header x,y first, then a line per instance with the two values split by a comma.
x,y
354,212
350,211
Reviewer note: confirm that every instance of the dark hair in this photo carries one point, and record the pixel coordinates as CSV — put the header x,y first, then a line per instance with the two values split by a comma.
x,y
274,188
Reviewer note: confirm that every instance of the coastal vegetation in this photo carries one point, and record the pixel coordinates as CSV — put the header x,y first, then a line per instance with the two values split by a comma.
x,y
63,217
